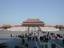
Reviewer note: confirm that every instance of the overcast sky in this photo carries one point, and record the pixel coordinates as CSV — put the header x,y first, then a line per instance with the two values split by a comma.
x,y
16,11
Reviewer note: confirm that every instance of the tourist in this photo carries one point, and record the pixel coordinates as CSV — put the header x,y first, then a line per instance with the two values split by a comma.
x,y
11,35
23,41
46,39
46,46
26,45
63,40
29,38
53,45
16,46
41,38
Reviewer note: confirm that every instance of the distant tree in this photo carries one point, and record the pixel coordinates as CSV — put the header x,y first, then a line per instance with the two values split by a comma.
x,y
60,27
6,26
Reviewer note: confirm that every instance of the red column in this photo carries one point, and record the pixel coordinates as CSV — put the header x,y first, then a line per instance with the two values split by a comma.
x,y
28,29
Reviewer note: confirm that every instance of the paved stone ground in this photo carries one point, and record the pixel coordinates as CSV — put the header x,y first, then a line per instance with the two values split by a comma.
x,y
11,42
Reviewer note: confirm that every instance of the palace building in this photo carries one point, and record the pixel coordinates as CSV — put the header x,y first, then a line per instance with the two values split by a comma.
x,y
32,23
31,26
